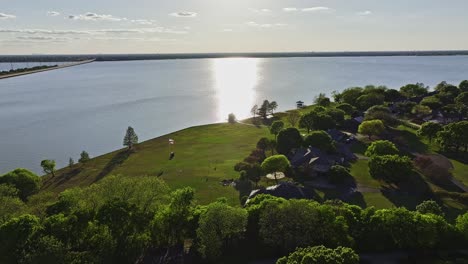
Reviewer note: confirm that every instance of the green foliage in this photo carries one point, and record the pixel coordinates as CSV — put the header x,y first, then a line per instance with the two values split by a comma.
x,y
171,225
453,136
349,95
322,100
347,108
462,225
339,174
462,98
293,117
276,163
84,157
433,102
71,162
15,236
288,139
463,86
321,255
403,229
392,95
307,121
382,147
430,207
299,223
130,138
414,90
48,166
24,180
338,115
276,127
421,111
391,168
321,140
371,128
11,205
366,101
219,227
382,113
429,130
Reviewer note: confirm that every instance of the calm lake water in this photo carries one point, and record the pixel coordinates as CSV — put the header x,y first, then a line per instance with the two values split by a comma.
x,y
57,114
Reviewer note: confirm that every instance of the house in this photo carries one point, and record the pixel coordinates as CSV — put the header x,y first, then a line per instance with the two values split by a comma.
x,y
287,190
300,104
337,135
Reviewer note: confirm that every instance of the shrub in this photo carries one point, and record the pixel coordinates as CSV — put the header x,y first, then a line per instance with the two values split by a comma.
x,y
321,255
381,147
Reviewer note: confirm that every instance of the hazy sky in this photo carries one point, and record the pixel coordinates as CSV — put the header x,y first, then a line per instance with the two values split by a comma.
x,y
174,26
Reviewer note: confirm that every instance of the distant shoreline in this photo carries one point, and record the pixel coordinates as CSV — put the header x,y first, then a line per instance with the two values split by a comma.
x,y
43,70
129,57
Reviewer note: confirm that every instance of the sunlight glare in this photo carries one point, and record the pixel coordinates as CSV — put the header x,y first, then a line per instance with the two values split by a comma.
x,y
235,82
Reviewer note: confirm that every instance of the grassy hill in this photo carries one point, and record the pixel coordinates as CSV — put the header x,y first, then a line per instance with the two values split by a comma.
x,y
204,156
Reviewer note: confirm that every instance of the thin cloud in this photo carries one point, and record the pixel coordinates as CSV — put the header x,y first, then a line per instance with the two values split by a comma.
x,y
257,25
53,13
98,31
308,9
260,11
184,14
290,9
316,9
227,30
95,17
365,13
6,16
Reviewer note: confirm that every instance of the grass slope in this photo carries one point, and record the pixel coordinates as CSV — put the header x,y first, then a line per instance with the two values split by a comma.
x,y
204,156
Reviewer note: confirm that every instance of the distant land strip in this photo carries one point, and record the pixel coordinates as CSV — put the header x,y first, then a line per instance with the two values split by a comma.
x,y
46,69
128,57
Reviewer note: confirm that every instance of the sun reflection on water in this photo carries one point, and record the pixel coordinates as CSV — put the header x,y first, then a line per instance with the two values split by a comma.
x,y
235,83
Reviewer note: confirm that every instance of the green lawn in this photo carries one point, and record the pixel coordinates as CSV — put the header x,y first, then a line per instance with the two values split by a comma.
x,y
360,172
204,156
460,171
378,200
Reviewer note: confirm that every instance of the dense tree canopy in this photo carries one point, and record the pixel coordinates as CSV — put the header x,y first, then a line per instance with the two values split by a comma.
x,y
381,147
429,130
372,128
48,166
321,140
321,255
24,180
391,168
288,139
414,90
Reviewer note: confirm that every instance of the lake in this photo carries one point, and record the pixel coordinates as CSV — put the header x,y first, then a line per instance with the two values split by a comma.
x,y
57,114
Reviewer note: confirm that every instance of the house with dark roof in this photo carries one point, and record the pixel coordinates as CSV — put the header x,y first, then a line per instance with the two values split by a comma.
x,y
287,190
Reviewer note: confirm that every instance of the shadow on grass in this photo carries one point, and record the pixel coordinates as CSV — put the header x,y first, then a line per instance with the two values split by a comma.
x,y
409,193
458,156
116,161
63,177
407,141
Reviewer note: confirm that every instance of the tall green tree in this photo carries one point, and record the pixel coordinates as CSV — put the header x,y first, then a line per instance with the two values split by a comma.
x,y
272,107
429,130
130,138
371,128
307,121
321,140
84,157
274,164
288,139
48,166
381,147
220,227
276,127
414,90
